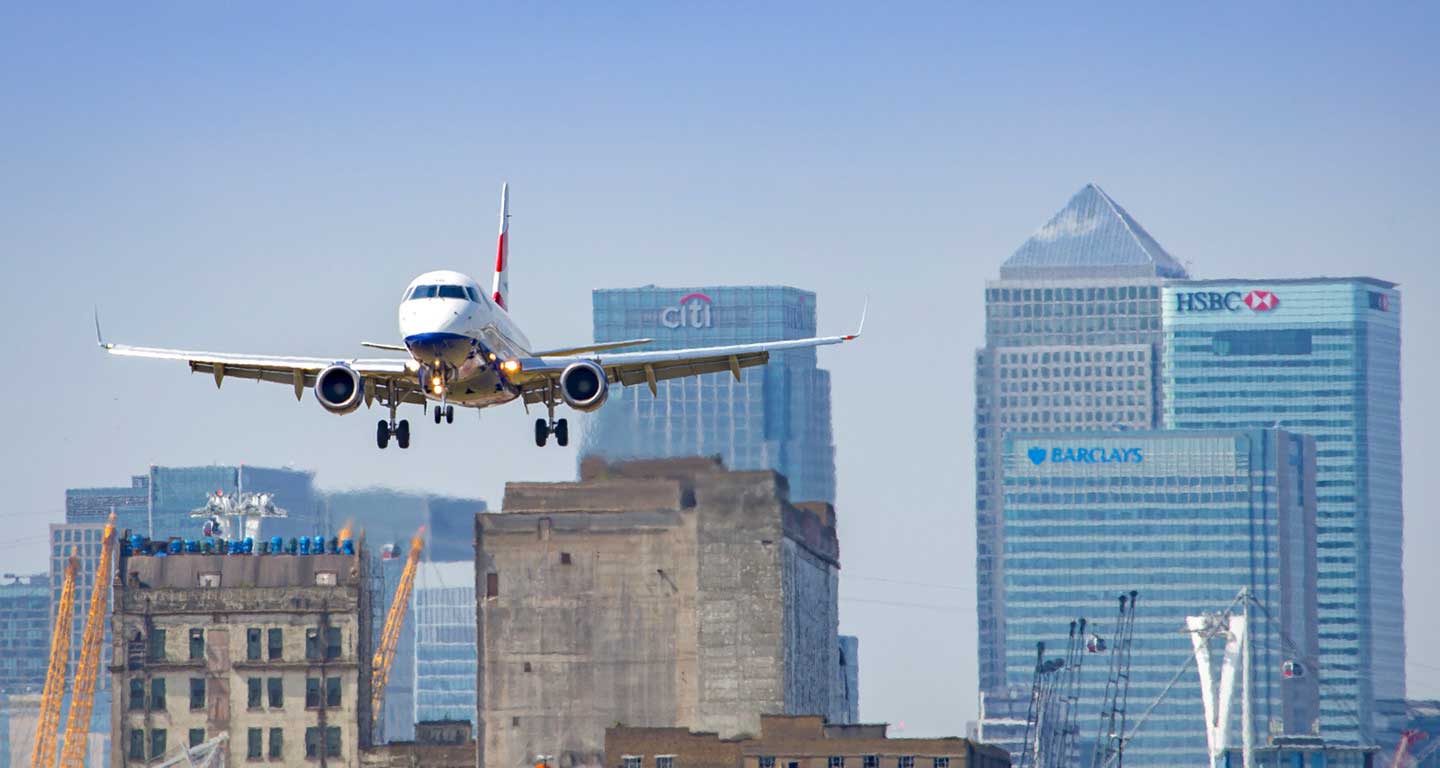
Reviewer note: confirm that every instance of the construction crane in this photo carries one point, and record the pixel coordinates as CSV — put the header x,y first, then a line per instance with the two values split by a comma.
x,y
82,701
1110,744
206,754
390,637
43,753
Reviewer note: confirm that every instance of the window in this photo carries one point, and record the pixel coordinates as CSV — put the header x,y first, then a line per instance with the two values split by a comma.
x,y
312,644
157,743
332,741
252,644
473,294
312,692
836,761
252,692
1277,342
137,694
157,693
453,292
137,744
197,736
275,639
277,742
631,761
906,761
197,645
492,585
332,642
872,761
332,691
767,762
157,645
942,762
275,687
312,742
664,761
208,580
253,743
197,693
420,292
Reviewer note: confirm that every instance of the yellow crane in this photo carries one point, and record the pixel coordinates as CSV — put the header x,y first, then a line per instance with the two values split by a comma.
x,y
43,754
82,701
390,637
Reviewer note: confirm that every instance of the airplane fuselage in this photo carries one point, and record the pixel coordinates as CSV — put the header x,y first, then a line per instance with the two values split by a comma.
x,y
456,333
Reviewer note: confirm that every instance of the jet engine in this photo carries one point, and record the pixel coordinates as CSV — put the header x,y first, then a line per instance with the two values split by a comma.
x,y
583,386
339,388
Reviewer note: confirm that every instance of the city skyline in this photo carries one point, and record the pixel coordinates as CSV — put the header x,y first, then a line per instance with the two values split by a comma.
x,y
231,190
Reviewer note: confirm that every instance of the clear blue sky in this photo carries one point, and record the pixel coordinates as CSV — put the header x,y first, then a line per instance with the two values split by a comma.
x,y
269,179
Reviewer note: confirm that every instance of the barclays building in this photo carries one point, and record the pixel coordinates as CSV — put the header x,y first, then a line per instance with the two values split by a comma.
x,y
1187,518
776,417
1319,357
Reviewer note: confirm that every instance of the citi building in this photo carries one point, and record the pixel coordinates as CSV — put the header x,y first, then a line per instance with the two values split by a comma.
x,y
772,417
1319,357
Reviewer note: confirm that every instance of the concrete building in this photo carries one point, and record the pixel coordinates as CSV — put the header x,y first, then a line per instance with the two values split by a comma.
x,y
271,649
1187,518
664,593
1320,357
24,633
792,742
845,692
437,744
1072,342
776,417
19,722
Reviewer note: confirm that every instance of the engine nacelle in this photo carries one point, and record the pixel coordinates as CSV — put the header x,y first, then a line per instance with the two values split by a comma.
x,y
339,388
583,385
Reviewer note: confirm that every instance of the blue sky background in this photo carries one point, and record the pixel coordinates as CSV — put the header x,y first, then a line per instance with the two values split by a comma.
x,y
269,179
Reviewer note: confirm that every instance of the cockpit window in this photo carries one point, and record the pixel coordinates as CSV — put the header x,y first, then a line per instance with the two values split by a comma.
x,y
453,292
473,294
461,292
424,292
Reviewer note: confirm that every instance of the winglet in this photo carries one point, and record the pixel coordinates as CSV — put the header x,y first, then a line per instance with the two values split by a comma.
x,y
99,338
865,310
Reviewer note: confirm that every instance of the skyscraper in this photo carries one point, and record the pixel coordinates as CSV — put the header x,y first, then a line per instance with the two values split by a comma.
x,y
776,417
1187,518
1321,357
24,633
1072,341
445,650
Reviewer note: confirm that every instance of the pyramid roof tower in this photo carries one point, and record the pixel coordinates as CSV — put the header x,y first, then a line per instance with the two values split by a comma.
x,y
1092,236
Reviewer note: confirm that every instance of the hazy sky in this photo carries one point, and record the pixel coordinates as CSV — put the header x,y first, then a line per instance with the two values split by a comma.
x,y
269,180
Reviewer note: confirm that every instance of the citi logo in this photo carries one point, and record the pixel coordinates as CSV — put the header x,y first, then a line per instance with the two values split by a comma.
x,y
1231,301
692,311
1038,455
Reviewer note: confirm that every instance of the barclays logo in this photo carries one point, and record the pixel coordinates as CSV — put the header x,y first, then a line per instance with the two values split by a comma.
x,y
1038,456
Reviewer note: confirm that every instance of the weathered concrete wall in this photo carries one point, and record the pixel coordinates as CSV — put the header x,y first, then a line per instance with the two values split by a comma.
x,y
811,587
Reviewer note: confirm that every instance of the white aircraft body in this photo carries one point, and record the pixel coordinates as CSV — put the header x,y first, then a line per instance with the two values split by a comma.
x,y
464,349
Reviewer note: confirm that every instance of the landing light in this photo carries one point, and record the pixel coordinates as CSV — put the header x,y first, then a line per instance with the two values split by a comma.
x,y
510,366
437,384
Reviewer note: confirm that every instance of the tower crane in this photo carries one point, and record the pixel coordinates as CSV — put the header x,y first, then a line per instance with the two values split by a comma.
x,y
390,637
43,753
82,701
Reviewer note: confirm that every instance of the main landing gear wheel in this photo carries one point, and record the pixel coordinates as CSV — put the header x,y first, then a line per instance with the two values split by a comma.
x,y
544,429
382,434
562,433
401,433
542,432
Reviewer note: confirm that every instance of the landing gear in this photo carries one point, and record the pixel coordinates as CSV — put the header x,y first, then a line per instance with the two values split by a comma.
x,y
386,429
542,433
446,412
562,432
544,428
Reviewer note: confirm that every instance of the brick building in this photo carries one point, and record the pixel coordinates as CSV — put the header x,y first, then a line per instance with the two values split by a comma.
x,y
659,593
804,741
272,649
437,744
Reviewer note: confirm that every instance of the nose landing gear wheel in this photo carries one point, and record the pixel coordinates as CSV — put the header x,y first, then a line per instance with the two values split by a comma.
x,y
438,415
449,414
542,432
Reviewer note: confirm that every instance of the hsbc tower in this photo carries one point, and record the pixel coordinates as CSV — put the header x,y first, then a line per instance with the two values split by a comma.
x,y
1320,357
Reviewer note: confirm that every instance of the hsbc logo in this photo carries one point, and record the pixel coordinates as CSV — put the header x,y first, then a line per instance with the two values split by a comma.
x,y
1230,301
692,311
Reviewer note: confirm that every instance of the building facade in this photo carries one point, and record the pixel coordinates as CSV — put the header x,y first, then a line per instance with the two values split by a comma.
x,y
445,651
1072,342
792,742
1320,357
776,417
661,593
1187,518
24,633
272,650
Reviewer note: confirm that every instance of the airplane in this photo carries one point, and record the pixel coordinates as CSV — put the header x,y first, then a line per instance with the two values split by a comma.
x,y
463,348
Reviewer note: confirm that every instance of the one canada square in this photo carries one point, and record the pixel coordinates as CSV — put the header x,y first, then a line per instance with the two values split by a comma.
x,y
1072,342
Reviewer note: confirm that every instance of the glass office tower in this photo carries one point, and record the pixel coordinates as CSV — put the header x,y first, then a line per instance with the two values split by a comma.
x,y
776,417
1321,357
1188,519
445,642
1072,337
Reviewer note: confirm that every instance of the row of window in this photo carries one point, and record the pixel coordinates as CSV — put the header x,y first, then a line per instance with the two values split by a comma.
x,y
316,740
321,643
1108,293
258,691
1074,309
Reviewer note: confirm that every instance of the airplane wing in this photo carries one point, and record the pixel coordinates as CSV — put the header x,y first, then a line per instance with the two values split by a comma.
x,y
299,372
538,376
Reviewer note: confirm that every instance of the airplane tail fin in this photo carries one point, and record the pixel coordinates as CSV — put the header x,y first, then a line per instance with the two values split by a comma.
x,y
500,289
